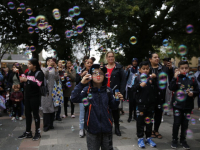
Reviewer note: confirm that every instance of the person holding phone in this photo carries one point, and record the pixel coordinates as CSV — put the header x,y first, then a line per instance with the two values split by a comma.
x,y
116,80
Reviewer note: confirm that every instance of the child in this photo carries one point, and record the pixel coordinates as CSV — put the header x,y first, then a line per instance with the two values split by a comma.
x,y
98,100
16,98
185,90
144,86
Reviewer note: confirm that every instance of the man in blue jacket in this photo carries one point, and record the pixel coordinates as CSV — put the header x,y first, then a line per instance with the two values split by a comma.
x,y
98,100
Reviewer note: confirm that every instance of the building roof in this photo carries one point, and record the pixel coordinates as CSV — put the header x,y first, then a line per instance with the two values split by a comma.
x,y
15,57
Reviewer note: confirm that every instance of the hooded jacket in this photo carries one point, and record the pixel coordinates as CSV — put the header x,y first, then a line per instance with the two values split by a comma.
x,y
160,93
98,117
145,96
183,83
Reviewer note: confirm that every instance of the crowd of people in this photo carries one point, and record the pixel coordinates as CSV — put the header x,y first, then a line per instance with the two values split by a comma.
x,y
151,88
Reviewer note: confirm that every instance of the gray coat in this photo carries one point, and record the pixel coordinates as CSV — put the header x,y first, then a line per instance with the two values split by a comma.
x,y
46,101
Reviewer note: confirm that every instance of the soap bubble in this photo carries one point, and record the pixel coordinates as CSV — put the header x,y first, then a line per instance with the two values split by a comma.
x,y
11,5
19,10
85,101
32,21
133,40
184,58
50,28
29,11
189,134
41,22
193,121
162,77
30,30
165,107
107,75
182,50
189,29
188,116
81,22
152,120
68,34
71,12
165,42
180,95
147,120
90,1
57,37
72,128
36,30
176,113
143,77
76,10
169,50
56,14
68,84
79,29
32,48
89,96
22,5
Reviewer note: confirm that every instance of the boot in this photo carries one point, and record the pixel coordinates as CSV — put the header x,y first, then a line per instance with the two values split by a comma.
x,y
117,131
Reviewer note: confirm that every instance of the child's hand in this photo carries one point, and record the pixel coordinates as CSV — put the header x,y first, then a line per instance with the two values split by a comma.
x,y
65,74
190,94
84,73
153,75
143,84
86,79
120,96
177,72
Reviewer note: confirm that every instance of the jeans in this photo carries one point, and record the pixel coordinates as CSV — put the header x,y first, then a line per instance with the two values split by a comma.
x,y
58,112
81,116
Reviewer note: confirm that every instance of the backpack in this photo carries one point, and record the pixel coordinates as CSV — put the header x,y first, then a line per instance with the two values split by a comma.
x,y
44,91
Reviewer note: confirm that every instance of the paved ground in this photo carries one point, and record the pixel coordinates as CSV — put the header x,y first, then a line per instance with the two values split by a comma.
x,y
63,138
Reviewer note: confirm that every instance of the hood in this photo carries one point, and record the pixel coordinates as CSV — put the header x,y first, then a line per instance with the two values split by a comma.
x,y
134,59
104,69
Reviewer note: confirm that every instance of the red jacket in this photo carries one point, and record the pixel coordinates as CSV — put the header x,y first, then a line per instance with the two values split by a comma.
x,y
16,95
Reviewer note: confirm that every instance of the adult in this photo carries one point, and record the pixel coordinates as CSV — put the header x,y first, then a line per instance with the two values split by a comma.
x,y
14,76
168,96
116,80
32,98
70,75
51,75
88,62
197,74
132,72
61,71
156,68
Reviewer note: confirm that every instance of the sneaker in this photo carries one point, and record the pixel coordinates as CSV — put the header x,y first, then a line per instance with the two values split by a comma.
x,y
41,118
13,118
25,135
141,143
81,133
73,116
174,144
36,137
63,116
0,124
185,145
20,118
162,119
150,142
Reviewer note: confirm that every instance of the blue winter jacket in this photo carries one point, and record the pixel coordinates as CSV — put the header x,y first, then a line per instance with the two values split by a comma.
x,y
1,77
98,117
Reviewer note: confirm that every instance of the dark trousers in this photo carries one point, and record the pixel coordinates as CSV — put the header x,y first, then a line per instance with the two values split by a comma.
x,y
145,114
66,99
101,140
157,117
115,114
32,105
17,109
180,120
132,103
48,119
58,112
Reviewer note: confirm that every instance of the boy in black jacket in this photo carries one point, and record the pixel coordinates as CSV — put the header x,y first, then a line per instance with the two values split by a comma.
x,y
144,86
185,90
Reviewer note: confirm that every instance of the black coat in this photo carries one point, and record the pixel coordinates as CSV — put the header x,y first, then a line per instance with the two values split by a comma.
x,y
160,96
145,96
118,78
183,83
